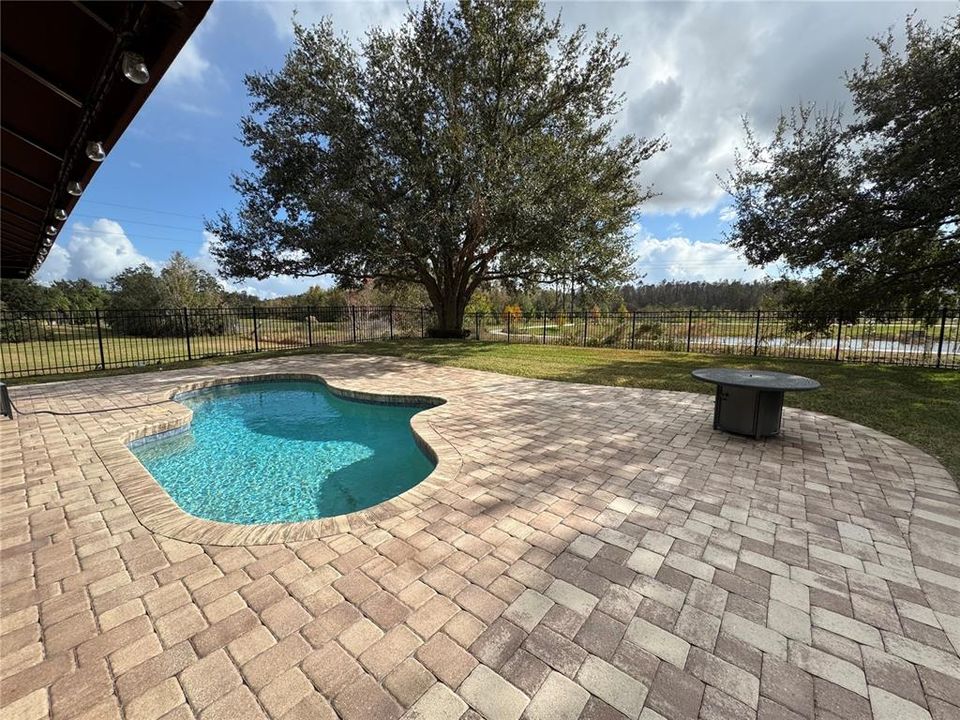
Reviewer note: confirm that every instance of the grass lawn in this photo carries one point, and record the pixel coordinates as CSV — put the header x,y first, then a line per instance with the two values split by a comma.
x,y
918,405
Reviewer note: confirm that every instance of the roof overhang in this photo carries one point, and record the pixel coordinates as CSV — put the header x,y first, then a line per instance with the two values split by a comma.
x,y
62,87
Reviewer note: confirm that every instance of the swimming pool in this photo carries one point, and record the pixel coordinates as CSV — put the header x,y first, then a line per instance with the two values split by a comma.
x,y
284,451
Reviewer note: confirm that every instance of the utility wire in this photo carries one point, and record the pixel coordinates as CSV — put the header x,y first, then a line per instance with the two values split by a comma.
x,y
128,221
143,209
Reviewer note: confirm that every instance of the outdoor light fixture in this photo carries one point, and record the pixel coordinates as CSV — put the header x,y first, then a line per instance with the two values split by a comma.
x,y
75,188
60,214
51,230
134,68
95,151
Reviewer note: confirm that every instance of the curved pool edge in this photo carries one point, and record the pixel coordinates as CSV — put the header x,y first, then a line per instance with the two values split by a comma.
x,y
158,511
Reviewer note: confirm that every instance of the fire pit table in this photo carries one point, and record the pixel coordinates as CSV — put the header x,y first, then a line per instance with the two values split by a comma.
x,y
750,402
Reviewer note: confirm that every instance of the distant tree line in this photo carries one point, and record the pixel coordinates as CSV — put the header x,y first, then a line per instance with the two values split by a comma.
x,y
721,295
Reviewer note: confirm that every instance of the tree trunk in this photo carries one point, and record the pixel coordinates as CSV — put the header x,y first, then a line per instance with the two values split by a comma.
x,y
450,308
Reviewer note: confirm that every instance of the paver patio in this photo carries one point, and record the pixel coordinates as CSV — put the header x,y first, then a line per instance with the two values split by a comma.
x,y
599,552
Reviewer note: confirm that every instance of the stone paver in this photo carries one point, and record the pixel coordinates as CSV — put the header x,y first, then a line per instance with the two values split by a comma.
x,y
558,698
657,641
438,703
581,552
492,696
613,686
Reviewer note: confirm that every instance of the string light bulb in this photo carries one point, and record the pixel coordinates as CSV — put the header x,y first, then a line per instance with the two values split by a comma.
x,y
51,230
75,188
95,151
60,214
134,68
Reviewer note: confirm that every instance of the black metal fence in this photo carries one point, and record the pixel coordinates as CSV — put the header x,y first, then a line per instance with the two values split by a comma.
x,y
43,343
876,337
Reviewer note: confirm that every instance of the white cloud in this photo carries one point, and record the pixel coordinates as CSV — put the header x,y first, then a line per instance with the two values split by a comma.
x,y
196,109
680,258
190,66
191,79
278,286
97,251
727,214
56,266
266,289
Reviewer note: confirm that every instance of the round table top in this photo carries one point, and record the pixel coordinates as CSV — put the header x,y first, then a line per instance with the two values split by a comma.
x,y
756,379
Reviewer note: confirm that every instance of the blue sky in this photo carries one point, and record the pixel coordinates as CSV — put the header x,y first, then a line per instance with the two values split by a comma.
x,y
696,69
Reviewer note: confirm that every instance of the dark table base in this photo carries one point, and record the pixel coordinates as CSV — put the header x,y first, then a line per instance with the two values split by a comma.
x,y
747,411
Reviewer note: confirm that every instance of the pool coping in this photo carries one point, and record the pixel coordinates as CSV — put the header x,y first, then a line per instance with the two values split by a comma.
x,y
160,513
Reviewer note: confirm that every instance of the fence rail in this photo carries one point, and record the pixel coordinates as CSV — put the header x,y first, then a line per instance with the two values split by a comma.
x,y
43,343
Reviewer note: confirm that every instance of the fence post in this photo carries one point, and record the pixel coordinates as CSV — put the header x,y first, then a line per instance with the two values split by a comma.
x,y
353,321
756,336
256,331
103,359
585,319
509,315
477,323
543,340
391,322
633,330
186,332
839,334
943,327
689,327
423,331
309,330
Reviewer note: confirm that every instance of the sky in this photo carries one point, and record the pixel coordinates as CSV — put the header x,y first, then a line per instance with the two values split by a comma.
x,y
696,69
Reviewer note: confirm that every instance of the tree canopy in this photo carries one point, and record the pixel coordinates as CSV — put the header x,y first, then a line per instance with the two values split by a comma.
x,y
473,144
871,205
179,284
160,296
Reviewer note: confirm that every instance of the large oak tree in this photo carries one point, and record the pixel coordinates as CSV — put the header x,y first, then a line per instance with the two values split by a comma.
x,y
872,205
473,144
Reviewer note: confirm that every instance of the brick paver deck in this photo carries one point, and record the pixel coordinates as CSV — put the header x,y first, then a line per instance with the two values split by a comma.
x,y
599,553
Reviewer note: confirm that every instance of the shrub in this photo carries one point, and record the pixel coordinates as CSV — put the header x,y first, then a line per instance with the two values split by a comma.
x,y
11,331
513,312
20,330
648,331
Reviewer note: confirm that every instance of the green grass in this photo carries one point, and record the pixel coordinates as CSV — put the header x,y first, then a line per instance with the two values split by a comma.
x,y
918,405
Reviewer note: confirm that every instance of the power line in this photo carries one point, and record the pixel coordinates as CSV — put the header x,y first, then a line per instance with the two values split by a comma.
x,y
138,236
143,209
121,221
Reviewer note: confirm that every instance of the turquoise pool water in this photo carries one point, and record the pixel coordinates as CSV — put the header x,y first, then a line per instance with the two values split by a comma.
x,y
284,451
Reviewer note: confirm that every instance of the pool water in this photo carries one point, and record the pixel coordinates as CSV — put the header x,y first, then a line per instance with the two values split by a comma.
x,y
264,452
